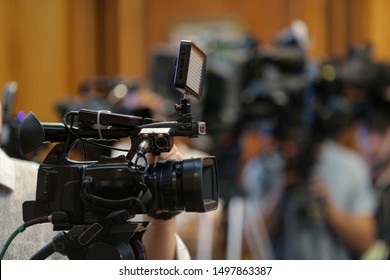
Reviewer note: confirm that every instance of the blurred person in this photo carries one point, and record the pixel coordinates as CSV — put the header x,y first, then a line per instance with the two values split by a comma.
x,y
372,141
18,184
260,159
318,202
260,165
367,86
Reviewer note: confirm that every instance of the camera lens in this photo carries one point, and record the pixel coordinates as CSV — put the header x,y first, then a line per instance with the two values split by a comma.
x,y
189,184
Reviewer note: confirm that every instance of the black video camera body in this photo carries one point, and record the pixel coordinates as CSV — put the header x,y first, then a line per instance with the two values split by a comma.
x,y
88,191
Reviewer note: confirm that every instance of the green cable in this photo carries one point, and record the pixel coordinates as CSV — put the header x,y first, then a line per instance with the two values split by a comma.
x,y
13,235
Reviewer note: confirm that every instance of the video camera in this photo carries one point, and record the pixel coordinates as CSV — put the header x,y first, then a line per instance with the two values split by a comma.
x,y
87,193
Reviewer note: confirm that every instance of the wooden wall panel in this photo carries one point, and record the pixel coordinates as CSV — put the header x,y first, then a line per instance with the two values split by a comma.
x,y
118,37
131,35
108,38
40,55
314,14
84,42
7,41
379,28
50,46
337,38
359,23
261,17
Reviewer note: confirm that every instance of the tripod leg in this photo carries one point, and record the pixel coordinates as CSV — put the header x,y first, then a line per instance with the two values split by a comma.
x,y
138,248
44,253
61,243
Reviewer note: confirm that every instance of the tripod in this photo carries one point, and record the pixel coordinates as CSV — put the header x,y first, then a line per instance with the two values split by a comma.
x,y
112,238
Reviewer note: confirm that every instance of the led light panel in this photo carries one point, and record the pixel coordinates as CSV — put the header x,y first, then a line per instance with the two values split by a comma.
x,y
189,69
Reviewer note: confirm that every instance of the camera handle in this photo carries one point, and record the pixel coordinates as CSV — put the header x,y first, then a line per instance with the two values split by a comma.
x,y
110,239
